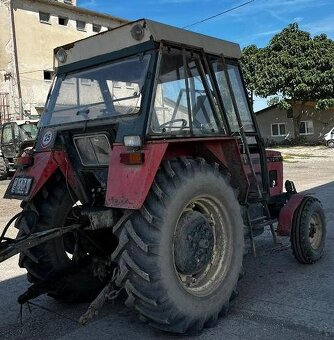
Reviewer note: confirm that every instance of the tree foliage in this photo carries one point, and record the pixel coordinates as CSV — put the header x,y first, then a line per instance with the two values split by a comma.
x,y
294,68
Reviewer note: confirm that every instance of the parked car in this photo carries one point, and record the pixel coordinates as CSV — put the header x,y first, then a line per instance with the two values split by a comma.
x,y
329,138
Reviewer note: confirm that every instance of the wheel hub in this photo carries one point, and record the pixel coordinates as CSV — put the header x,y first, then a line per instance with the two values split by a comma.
x,y
194,242
315,231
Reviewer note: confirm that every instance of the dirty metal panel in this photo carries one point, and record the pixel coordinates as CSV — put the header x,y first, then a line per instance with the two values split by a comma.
x,y
45,165
275,165
106,42
64,164
209,44
286,215
128,185
123,37
228,153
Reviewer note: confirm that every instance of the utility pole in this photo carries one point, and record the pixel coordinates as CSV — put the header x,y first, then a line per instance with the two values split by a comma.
x,y
16,63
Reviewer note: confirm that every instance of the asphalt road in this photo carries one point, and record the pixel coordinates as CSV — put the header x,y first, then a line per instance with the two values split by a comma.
x,y
279,298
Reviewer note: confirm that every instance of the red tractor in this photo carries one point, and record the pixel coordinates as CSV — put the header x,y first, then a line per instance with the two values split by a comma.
x,y
147,174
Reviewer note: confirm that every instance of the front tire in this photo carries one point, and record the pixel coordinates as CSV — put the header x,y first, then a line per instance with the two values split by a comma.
x,y
330,143
180,256
308,231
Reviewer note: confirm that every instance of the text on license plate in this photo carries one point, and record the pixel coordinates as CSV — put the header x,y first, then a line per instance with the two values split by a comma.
x,y
21,186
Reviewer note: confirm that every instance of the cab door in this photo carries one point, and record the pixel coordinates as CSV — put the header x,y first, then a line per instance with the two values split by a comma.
x,y
8,141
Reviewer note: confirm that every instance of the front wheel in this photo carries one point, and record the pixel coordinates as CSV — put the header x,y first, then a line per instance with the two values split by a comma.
x,y
308,231
330,143
180,256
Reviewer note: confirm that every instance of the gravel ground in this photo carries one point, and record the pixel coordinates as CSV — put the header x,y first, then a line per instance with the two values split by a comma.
x,y
308,167
279,298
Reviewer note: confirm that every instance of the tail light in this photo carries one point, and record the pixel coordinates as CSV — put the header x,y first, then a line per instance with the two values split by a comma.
x,y
25,160
132,158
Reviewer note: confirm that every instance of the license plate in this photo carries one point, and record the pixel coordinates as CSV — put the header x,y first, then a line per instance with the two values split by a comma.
x,y
21,186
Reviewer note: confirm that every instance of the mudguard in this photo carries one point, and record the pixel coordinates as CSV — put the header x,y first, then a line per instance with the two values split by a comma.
x,y
44,166
128,185
286,214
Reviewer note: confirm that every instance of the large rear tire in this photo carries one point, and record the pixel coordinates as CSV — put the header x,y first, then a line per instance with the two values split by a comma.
x,y
48,263
180,256
3,169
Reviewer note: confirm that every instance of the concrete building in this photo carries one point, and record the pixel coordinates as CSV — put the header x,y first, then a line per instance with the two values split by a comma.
x,y
276,125
29,31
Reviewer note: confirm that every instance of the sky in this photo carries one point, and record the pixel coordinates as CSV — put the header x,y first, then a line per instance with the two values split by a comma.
x,y
254,23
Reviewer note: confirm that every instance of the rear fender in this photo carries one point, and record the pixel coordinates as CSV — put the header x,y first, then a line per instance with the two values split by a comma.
x,y
44,166
287,213
128,185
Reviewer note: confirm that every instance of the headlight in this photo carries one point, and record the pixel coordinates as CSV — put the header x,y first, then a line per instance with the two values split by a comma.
x,y
132,141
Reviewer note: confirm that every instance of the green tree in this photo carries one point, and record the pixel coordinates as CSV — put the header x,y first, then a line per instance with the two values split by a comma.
x,y
294,68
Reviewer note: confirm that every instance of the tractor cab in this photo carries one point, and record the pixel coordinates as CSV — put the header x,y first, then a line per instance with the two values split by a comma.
x,y
141,83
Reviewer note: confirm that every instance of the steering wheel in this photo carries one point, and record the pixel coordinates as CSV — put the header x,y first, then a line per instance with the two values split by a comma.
x,y
170,123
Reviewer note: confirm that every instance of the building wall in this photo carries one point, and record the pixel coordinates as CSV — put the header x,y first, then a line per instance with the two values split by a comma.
x,y
35,43
5,41
322,122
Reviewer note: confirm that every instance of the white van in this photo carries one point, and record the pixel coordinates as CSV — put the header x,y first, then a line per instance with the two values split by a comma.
x,y
329,138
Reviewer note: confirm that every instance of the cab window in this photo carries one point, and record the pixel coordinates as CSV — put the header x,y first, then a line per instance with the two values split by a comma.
x,y
240,97
175,111
233,74
7,136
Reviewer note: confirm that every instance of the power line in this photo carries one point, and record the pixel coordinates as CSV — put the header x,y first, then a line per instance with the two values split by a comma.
x,y
219,14
45,69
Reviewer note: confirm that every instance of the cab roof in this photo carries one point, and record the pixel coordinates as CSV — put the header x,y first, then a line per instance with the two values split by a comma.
x,y
140,31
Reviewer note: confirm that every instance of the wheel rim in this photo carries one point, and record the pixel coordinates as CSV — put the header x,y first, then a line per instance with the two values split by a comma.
x,y
315,231
203,279
330,144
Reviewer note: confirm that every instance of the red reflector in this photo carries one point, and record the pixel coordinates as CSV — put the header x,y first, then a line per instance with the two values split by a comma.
x,y
133,158
24,161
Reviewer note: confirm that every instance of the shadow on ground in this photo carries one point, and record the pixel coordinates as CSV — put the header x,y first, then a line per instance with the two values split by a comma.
x,y
279,299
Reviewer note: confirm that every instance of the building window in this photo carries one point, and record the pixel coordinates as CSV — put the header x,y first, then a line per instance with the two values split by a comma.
x,y
116,84
306,127
44,17
129,85
81,25
278,129
96,28
62,21
47,75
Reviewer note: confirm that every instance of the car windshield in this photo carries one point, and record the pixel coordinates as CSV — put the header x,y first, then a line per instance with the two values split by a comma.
x,y
29,131
107,91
